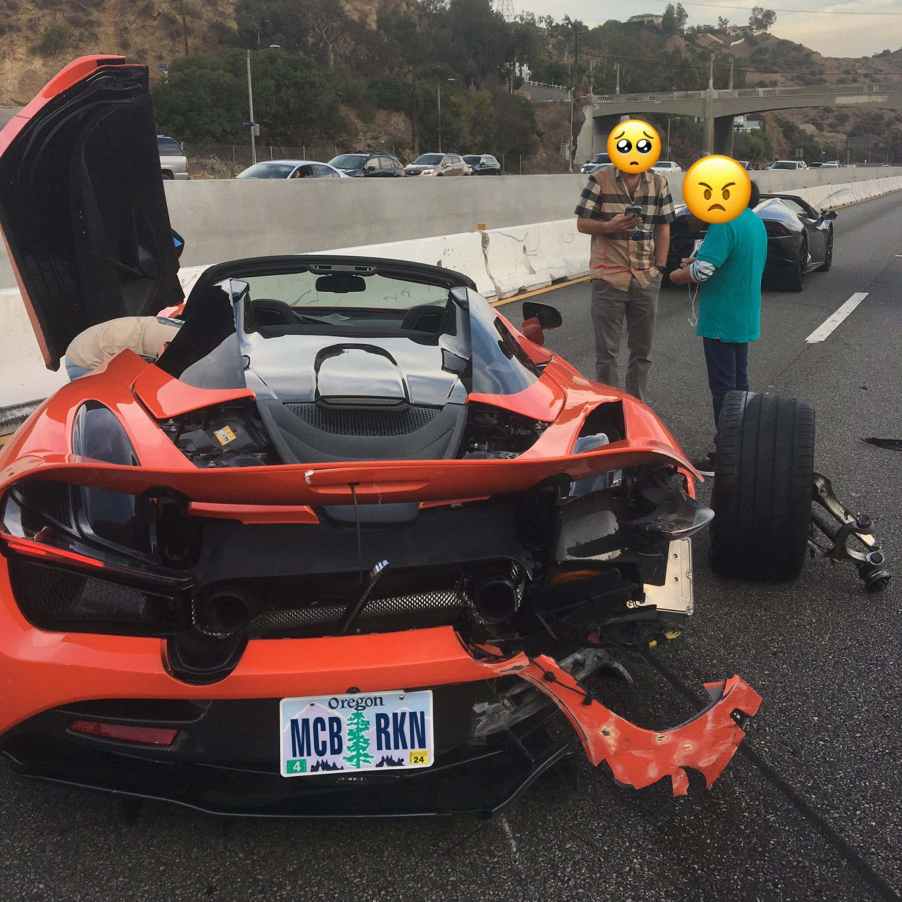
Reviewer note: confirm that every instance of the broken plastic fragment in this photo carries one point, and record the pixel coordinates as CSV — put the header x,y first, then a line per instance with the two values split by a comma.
x,y
640,757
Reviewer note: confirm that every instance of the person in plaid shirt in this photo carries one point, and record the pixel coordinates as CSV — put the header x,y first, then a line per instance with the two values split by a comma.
x,y
627,261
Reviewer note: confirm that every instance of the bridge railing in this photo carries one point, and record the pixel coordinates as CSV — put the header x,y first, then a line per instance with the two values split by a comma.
x,y
859,88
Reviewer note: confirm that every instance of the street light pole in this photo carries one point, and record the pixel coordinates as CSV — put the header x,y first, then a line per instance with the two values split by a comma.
x,y
250,105
438,94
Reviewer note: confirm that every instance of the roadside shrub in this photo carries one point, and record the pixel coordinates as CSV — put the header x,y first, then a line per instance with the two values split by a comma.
x,y
53,40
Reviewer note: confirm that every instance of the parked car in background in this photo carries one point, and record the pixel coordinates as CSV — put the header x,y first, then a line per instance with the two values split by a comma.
x,y
799,239
368,165
599,160
437,164
667,167
173,162
831,164
788,164
290,169
483,164
745,164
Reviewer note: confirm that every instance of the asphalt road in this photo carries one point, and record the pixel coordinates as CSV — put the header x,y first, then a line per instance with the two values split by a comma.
x,y
824,655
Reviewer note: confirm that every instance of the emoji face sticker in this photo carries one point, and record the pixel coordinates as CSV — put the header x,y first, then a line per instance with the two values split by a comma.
x,y
716,188
634,145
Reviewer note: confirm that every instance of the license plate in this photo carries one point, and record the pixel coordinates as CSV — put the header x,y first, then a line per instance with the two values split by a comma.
x,y
327,734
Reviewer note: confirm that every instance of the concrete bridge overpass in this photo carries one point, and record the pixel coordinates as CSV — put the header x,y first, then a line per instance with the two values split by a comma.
x,y
718,107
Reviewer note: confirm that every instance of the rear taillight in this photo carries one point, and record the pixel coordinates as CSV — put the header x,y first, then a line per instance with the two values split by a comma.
x,y
162,737
69,574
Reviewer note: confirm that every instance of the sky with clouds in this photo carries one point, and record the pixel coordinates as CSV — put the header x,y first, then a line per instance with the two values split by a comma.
x,y
845,28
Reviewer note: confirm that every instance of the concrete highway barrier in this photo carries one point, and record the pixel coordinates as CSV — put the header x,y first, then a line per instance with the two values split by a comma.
x,y
509,234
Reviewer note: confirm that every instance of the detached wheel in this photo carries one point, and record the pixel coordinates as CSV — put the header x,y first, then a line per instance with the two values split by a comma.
x,y
762,486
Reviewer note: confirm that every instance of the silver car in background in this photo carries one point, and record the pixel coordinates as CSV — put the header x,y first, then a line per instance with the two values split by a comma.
x,y
173,162
438,164
291,169
597,162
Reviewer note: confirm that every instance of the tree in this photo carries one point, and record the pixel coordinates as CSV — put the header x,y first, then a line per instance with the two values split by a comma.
x,y
261,23
674,19
205,98
328,24
358,740
762,19
723,24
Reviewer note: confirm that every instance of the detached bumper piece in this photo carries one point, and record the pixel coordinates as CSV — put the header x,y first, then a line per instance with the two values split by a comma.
x,y
638,757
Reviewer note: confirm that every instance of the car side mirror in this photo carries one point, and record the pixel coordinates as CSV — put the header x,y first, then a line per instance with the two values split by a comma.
x,y
828,215
548,317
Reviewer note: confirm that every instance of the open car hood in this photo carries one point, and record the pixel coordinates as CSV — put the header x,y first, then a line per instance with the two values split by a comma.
x,y
82,207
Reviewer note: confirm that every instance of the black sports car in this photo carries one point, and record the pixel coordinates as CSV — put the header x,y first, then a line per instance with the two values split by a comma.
x,y
799,239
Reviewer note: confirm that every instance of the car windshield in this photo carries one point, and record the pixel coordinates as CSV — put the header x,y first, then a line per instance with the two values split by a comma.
x,y
168,146
601,158
784,164
665,164
348,161
472,158
428,159
349,294
268,171
291,313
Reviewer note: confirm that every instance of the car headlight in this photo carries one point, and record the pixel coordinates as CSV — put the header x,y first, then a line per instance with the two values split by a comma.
x,y
427,172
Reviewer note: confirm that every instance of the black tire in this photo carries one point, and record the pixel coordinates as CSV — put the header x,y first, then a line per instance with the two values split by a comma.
x,y
828,255
762,486
795,278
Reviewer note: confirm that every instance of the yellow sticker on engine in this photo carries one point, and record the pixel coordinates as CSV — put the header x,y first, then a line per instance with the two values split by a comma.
x,y
225,435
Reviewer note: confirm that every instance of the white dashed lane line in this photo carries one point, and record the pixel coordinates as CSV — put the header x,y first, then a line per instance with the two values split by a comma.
x,y
826,328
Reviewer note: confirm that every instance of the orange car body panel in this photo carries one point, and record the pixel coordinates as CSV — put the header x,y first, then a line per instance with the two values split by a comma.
x,y
50,669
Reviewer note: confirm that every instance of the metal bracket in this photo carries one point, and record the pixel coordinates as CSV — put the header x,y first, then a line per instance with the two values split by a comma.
x,y
850,536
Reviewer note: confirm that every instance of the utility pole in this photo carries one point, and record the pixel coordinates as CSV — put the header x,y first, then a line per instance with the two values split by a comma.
x,y
668,137
617,72
438,94
591,77
250,105
732,61
709,108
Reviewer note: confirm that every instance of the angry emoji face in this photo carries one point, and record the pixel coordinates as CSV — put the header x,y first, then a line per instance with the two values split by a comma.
x,y
716,188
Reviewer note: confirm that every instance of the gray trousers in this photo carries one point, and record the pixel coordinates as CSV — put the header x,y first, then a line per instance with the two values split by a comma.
x,y
640,306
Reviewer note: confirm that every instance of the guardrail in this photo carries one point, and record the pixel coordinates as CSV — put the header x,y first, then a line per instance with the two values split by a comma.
x,y
789,90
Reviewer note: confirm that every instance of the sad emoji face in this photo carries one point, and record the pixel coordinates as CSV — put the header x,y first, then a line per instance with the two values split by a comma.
x,y
716,188
634,145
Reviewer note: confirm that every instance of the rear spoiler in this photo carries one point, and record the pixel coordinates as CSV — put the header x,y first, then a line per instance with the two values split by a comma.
x,y
342,483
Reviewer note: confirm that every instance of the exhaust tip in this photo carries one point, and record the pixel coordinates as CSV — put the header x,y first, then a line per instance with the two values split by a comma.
x,y
496,600
222,612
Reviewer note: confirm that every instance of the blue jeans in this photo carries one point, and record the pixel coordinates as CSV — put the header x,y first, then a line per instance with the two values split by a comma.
x,y
75,371
728,369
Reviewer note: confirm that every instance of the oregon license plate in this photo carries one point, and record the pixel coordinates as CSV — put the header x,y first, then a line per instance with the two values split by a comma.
x,y
365,731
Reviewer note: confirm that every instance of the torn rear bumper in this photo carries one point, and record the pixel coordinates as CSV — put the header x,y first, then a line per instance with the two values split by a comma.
x,y
226,760
639,757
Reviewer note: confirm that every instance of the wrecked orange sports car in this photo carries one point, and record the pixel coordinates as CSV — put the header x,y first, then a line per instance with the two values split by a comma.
x,y
347,547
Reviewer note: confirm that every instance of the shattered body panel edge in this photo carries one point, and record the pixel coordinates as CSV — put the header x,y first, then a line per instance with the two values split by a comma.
x,y
639,757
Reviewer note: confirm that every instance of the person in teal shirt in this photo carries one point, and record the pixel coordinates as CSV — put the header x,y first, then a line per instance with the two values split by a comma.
x,y
728,268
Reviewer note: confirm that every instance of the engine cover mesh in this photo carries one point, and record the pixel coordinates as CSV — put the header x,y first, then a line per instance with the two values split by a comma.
x,y
343,421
